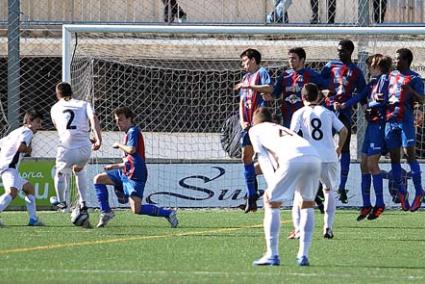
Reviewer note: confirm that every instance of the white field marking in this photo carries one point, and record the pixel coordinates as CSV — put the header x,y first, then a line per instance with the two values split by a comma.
x,y
98,242
272,272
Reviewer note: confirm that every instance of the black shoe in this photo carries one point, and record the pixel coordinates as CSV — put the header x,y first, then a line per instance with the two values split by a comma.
x,y
343,195
376,212
251,203
328,234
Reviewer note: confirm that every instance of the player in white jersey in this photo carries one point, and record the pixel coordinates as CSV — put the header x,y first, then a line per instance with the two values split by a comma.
x,y
73,120
289,164
316,123
12,149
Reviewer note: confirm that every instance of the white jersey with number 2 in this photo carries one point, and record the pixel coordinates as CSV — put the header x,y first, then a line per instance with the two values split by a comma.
x,y
71,118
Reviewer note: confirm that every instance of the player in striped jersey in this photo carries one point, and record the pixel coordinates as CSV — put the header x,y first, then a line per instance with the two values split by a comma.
x,y
12,149
129,177
344,78
316,123
406,89
251,98
374,97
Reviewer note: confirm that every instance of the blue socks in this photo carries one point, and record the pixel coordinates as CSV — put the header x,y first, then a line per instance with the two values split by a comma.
x,y
396,170
366,189
379,191
415,171
250,179
345,168
102,197
153,210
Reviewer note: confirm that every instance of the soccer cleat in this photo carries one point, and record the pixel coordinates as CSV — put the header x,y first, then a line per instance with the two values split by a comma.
x,y
364,211
105,218
328,233
376,212
417,202
404,200
343,195
294,235
251,203
121,197
303,261
172,219
267,261
35,222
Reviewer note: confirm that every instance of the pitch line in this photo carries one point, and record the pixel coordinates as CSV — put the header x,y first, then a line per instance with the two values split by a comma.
x,y
98,242
215,273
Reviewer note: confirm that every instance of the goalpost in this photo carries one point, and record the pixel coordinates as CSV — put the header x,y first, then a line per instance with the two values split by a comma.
x,y
178,79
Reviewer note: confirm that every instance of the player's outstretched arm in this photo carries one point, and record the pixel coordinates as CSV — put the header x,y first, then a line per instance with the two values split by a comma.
x,y
23,148
343,133
95,125
127,149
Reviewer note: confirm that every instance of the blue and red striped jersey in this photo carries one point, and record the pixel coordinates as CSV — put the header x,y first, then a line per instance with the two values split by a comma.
x,y
400,101
288,87
343,80
375,96
134,164
253,99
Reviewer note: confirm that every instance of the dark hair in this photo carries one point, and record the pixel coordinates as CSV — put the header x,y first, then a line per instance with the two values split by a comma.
x,y
347,44
126,111
32,114
298,51
406,54
252,53
311,92
64,89
262,114
383,62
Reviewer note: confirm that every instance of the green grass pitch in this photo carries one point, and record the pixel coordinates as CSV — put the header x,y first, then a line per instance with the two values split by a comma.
x,y
210,246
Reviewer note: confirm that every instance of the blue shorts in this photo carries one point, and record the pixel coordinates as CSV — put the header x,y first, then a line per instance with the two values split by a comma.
x,y
245,140
399,134
131,187
374,140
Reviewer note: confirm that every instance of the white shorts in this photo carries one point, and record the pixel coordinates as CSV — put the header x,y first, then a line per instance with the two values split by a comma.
x,y
329,175
67,158
300,175
11,178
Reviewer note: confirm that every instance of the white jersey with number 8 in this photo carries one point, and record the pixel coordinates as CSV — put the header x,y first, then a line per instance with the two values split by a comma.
x,y
71,118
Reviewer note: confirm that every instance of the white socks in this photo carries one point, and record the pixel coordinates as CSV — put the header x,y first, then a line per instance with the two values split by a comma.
x,y
330,208
5,200
306,231
296,216
272,230
60,186
81,180
31,208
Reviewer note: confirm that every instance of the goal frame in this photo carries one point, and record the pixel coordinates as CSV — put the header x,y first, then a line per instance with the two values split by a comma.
x,y
67,31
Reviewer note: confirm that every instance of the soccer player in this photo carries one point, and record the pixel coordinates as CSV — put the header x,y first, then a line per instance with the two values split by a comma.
x,y
73,120
129,177
374,97
12,149
289,84
289,163
316,123
256,78
406,89
344,78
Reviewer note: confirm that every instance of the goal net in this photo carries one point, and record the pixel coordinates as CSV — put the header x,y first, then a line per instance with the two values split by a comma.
x,y
179,82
